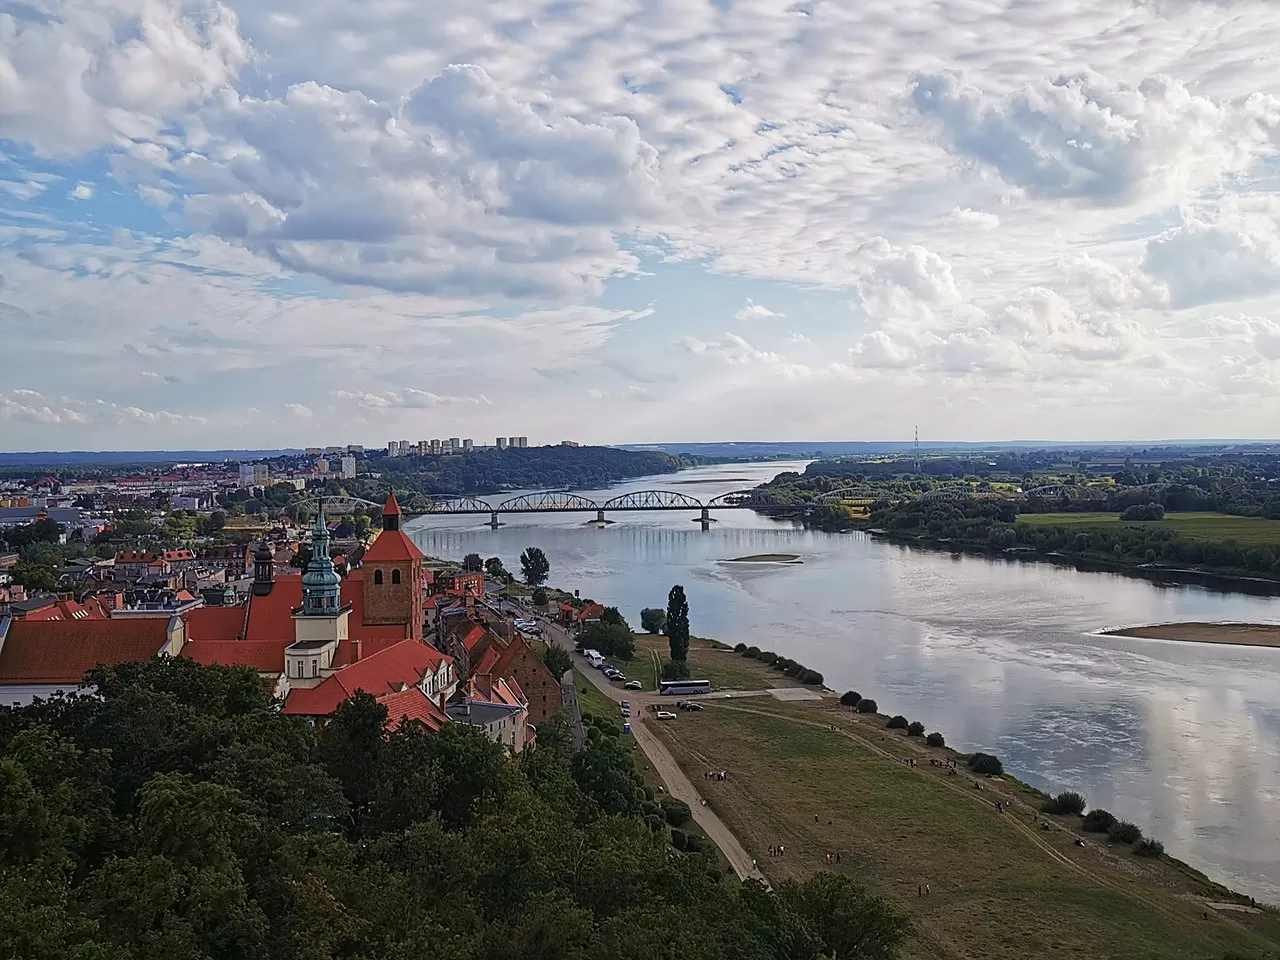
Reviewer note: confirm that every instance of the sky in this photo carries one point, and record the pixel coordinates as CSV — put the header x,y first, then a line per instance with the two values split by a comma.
x,y
278,223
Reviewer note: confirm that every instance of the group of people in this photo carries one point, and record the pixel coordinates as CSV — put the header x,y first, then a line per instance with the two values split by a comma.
x,y
833,858
777,850
716,775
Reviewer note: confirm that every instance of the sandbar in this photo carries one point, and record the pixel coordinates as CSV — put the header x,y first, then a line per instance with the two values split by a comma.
x,y
1237,634
768,558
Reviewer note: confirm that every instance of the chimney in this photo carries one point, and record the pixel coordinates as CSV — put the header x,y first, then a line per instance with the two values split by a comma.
x,y
444,701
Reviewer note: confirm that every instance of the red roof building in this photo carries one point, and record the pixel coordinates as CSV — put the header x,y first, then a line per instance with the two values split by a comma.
x,y
403,666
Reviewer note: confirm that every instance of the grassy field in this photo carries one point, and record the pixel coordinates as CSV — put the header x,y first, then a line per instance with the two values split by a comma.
x,y
709,660
1001,889
1193,526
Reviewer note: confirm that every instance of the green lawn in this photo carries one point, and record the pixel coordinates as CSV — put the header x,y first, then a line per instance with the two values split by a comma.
x,y
1000,888
1193,526
712,661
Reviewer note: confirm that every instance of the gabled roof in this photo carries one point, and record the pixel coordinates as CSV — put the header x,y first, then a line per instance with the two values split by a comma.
x,y
391,546
411,704
392,507
62,651
391,670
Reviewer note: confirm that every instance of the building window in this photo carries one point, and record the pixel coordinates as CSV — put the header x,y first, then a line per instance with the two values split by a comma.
x,y
377,577
315,672
395,576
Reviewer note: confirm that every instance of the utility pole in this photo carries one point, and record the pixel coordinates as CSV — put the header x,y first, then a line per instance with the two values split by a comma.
x,y
917,450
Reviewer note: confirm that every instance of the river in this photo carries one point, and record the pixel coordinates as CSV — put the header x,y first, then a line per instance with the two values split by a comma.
x,y
999,655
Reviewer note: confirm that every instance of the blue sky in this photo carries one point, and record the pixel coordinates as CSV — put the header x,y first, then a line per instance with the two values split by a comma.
x,y
233,224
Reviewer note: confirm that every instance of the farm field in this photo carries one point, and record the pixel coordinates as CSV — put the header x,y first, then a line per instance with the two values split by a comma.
x,y
1192,526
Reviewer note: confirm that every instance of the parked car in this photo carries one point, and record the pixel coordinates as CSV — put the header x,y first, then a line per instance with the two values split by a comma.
x,y
626,704
634,685
626,713
666,715
619,677
682,703
691,705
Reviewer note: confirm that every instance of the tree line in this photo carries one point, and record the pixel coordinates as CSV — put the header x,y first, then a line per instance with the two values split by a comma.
x,y
179,814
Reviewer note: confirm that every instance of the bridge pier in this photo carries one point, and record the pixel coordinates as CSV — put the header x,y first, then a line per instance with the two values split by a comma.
x,y
600,520
493,523
706,519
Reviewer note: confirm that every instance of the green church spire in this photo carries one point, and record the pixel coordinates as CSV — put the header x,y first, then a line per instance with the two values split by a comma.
x,y
320,582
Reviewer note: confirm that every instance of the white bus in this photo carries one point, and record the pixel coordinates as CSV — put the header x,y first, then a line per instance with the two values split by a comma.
x,y
594,658
679,687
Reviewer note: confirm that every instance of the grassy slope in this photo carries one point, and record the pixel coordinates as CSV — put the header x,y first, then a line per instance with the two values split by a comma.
x,y
1000,888
712,661
1193,526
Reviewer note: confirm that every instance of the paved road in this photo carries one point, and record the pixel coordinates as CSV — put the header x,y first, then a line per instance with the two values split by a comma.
x,y
677,784
569,697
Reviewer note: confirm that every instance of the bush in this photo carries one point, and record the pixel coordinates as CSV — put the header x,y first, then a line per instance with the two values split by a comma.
x,y
867,706
1143,511
811,677
1122,831
676,811
539,597
767,656
737,647
679,839
692,843
652,620
794,669
675,670
1147,847
915,729
1098,821
986,764
751,652
897,723
851,698
655,822
1067,802
783,664
935,740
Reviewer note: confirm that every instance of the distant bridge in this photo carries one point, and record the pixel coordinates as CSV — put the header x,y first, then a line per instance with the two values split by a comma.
x,y
635,501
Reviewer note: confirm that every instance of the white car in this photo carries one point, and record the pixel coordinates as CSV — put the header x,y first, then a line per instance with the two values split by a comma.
x,y
666,715
634,685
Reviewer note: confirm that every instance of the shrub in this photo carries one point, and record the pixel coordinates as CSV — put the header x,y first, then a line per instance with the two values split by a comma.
x,y
915,729
692,843
751,652
767,656
649,794
655,822
539,597
783,663
1122,831
897,723
675,670
811,677
850,698
794,669
737,647
1146,847
1143,511
867,706
986,764
679,839
676,811
652,620
935,740
1067,802
1098,821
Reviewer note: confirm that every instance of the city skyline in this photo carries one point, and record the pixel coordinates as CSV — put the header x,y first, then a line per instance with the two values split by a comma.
x,y
232,225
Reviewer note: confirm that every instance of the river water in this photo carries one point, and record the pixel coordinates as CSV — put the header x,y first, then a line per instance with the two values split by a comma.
x,y
1183,739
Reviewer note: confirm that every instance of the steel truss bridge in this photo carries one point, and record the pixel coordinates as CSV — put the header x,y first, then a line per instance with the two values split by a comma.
x,y
635,501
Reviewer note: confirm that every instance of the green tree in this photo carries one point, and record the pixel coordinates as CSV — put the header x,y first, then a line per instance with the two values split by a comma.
x,y
534,566
848,920
677,626
558,662
35,576
493,568
652,619
472,563
612,616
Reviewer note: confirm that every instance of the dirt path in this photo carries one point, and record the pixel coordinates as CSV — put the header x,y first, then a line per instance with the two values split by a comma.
x,y
677,784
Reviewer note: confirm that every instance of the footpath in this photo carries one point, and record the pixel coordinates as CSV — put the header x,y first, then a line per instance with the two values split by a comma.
x,y
673,778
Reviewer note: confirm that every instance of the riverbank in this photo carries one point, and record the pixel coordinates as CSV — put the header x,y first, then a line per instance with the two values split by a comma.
x,y
767,558
1234,634
1153,572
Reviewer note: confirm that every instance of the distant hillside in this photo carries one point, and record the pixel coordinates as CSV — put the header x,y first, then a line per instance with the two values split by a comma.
x,y
98,458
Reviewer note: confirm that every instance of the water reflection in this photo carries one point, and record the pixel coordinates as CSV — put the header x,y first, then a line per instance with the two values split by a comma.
x,y
1183,739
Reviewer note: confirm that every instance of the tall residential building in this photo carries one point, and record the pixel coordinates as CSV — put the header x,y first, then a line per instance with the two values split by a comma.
x,y
333,451
435,448
246,474
314,451
393,448
455,443
348,468
355,448
260,474
467,444
501,443
517,442
322,465
405,448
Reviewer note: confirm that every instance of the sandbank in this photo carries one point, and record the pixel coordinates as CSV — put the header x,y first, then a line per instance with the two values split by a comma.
x,y
1237,634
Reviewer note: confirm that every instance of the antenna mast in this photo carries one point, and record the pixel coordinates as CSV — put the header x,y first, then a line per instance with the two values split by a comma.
x,y
917,449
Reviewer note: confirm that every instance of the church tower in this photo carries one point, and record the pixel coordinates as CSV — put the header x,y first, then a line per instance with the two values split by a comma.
x,y
321,623
393,576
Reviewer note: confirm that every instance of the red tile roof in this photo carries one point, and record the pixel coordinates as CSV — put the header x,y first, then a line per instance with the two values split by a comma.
x,y
411,704
265,656
391,670
61,651
391,546
392,507
216,623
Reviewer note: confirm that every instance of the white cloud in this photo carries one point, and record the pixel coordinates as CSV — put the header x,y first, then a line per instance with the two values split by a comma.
x,y
755,311
978,219
299,410
33,406
1091,138
409,398
82,191
1221,257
